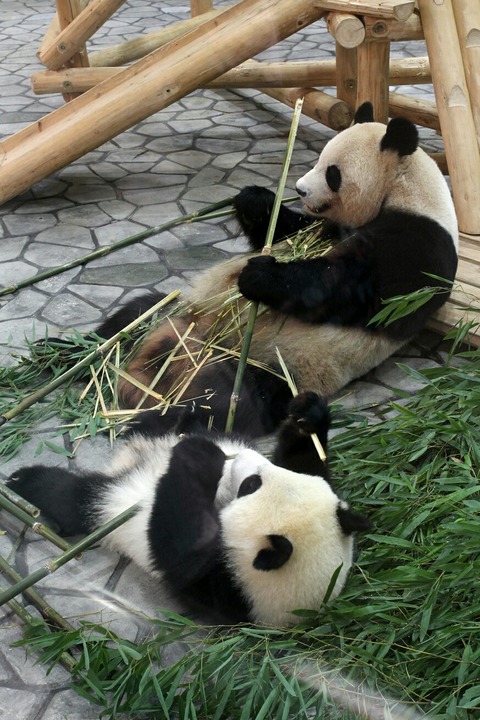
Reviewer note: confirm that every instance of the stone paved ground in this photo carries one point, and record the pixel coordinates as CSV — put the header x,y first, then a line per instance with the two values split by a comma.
x,y
200,150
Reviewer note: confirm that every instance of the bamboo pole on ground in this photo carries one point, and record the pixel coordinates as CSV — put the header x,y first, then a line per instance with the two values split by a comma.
x,y
75,33
161,78
328,110
373,77
251,74
467,18
454,110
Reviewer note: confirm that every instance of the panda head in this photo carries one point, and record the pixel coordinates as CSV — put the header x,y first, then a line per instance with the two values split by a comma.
x,y
370,165
284,535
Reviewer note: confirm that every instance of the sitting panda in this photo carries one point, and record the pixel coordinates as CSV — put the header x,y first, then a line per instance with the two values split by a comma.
x,y
392,216
224,527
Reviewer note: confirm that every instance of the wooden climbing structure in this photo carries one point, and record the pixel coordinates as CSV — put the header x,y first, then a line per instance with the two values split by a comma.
x,y
215,47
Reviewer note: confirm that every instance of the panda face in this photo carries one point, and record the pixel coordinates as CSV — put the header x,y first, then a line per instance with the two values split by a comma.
x,y
283,538
352,177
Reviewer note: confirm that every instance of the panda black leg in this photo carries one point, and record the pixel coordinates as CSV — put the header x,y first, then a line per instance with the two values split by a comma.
x,y
307,414
253,207
61,496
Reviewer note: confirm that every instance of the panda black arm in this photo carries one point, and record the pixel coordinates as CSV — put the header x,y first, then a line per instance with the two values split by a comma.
x,y
335,288
307,413
63,497
184,529
253,207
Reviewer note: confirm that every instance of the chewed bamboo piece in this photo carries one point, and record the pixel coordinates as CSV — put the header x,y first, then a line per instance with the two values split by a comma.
x,y
252,317
293,387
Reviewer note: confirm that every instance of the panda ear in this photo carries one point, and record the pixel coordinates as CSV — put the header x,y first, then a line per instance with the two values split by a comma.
x,y
364,114
352,521
401,136
275,556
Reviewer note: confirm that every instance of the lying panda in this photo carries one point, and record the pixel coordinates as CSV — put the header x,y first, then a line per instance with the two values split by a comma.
x,y
225,528
391,211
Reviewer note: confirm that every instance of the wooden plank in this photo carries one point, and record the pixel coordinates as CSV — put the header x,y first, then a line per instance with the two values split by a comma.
x,y
399,9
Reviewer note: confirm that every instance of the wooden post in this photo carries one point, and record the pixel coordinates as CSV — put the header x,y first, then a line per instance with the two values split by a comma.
x,y
328,110
67,11
198,7
161,78
77,32
373,77
346,75
454,110
392,29
467,17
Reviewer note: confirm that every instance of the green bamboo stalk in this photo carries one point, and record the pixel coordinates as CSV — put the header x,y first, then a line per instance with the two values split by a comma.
x,y
48,612
66,658
19,501
37,527
87,360
252,317
126,242
68,555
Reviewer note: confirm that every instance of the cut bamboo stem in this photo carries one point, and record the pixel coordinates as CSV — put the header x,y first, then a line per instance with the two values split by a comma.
x,y
60,560
19,501
252,316
31,522
87,360
48,612
454,110
161,78
107,249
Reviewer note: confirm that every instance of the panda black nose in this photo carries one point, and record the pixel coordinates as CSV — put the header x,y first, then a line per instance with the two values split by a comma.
x,y
299,190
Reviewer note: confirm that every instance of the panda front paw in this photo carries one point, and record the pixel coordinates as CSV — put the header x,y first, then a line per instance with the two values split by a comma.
x,y
261,280
310,414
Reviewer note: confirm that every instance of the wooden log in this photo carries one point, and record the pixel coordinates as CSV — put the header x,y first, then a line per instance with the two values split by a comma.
x,y
199,7
392,29
247,74
420,112
67,11
328,110
373,63
410,71
161,78
50,35
346,75
130,50
399,9
72,37
454,110
348,30
467,18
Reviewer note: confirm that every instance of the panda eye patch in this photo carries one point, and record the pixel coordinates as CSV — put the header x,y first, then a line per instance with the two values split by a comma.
x,y
333,177
249,485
